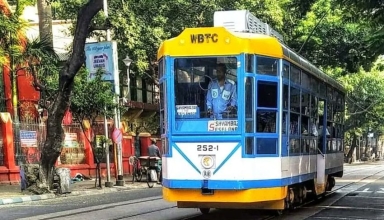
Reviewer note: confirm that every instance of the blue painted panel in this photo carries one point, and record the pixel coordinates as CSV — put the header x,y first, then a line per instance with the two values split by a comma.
x,y
242,184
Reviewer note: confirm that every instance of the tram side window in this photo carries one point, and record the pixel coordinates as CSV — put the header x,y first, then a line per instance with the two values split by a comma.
x,y
249,105
294,135
249,64
267,66
249,145
267,107
286,71
163,112
295,75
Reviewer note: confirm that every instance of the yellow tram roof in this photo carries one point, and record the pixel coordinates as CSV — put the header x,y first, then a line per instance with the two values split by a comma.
x,y
228,43
234,43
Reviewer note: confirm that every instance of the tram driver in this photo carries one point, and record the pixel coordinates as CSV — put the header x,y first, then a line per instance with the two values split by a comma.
x,y
221,96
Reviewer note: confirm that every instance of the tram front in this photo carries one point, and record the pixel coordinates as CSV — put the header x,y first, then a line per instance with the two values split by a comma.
x,y
202,95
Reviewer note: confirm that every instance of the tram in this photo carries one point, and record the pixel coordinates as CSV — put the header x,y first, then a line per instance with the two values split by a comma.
x,y
246,121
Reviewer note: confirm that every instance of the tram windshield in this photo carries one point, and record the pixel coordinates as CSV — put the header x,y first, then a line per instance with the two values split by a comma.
x,y
206,88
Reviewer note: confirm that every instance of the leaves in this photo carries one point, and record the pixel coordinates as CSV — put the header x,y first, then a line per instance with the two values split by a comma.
x,y
91,98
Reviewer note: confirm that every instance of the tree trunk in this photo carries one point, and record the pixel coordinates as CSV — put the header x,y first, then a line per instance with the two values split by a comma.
x,y
52,146
353,147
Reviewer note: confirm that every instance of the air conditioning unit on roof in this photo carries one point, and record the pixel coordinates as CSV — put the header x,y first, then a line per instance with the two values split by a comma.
x,y
244,21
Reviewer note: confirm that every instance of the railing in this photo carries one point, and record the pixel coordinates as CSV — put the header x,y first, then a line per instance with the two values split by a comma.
x,y
28,140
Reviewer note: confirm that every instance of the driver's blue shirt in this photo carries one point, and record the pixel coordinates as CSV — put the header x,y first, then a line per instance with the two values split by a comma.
x,y
218,99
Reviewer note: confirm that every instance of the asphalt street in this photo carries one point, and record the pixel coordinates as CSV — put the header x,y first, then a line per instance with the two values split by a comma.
x,y
358,195
29,209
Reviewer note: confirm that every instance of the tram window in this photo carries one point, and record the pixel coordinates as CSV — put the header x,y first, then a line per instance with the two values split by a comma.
x,y
249,104
295,100
305,103
249,64
314,107
161,68
295,75
294,146
267,66
266,121
305,81
249,145
197,87
266,146
249,85
284,123
285,96
329,94
323,90
314,87
267,94
329,112
286,71
294,124
305,145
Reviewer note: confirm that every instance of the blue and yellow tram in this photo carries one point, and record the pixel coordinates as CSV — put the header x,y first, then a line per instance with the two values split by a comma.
x,y
264,137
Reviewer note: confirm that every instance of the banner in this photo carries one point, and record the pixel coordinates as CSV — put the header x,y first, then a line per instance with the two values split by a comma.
x,y
103,56
28,138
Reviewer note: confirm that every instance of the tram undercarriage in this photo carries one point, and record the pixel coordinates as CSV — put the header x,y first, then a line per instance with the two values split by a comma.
x,y
294,196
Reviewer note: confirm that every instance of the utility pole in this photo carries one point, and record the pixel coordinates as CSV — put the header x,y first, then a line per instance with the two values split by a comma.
x,y
108,183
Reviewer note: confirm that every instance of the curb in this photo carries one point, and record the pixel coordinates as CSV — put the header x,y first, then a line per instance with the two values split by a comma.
x,y
26,199
104,190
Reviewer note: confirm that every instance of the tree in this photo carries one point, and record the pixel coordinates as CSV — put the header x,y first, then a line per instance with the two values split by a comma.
x,y
365,103
13,43
52,146
92,99
370,13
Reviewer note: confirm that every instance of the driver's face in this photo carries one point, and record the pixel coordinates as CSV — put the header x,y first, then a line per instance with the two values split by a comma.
x,y
220,72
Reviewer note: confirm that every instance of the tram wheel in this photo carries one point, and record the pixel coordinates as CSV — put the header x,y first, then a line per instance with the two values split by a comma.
x,y
204,210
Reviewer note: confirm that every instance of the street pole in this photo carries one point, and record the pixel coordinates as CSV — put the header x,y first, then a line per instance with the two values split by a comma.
x,y
108,183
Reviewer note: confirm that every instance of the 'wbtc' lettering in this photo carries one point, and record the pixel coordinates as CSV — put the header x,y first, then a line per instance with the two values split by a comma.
x,y
201,38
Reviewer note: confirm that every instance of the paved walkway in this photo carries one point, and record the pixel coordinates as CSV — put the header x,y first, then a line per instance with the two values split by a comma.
x,y
12,193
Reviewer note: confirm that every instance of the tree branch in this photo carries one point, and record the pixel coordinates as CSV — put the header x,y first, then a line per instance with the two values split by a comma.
x,y
36,84
77,57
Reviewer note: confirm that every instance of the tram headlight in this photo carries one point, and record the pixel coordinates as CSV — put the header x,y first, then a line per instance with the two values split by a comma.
x,y
207,161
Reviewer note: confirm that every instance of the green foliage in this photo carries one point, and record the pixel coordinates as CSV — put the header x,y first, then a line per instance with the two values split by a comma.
x,y
342,39
91,98
334,42
365,101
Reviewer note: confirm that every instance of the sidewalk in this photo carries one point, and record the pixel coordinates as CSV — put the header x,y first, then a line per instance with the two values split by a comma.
x,y
10,194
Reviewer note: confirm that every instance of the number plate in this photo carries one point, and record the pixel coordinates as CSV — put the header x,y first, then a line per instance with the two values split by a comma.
x,y
207,147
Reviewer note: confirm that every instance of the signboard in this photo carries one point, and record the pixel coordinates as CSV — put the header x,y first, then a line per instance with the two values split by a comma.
x,y
222,125
28,138
70,140
103,56
187,111
117,136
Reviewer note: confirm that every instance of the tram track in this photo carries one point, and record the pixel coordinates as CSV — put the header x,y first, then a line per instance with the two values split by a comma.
x,y
331,193
308,203
263,215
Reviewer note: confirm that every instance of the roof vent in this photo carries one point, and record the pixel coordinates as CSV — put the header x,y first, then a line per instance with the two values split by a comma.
x,y
244,21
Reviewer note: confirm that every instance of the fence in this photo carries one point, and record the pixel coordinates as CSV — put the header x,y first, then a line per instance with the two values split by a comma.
x,y
29,139
73,145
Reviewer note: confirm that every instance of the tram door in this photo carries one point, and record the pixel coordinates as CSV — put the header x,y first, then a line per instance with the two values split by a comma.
x,y
321,142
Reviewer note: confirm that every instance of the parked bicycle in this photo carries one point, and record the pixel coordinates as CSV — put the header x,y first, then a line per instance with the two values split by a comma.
x,y
152,166
138,170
